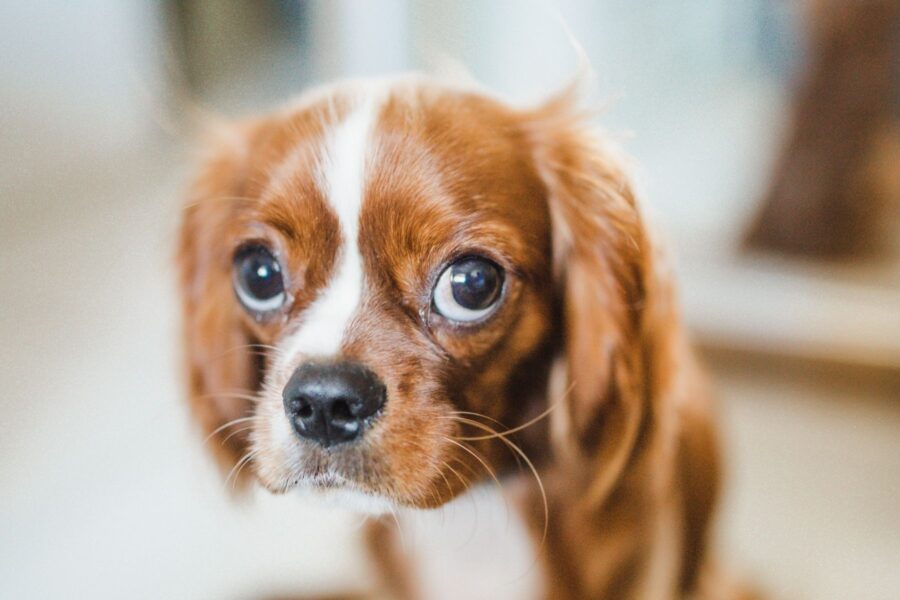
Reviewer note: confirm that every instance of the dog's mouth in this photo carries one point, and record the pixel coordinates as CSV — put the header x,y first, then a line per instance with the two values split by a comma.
x,y
327,472
388,465
330,470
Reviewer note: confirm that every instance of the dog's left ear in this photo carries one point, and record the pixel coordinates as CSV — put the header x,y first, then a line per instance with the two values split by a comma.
x,y
612,304
221,368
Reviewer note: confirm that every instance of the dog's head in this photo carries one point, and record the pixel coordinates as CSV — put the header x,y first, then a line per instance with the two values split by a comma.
x,y
379,277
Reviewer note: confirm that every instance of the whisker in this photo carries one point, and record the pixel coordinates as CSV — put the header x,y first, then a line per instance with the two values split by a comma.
x,y
471,494
227,425
468,468
238,395
364,518
236,469
525,425
235,432
479,459
494,433
253,346
540,484
432,489
465,481
475,414
236,475
399,528
518,463
515,448
257,349
446,481
191,205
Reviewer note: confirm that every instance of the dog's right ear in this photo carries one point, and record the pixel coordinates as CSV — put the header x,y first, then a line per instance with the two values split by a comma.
x,y
221,369
602,263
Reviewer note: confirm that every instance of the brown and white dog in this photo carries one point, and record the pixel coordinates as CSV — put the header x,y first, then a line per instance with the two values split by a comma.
x,y
398,291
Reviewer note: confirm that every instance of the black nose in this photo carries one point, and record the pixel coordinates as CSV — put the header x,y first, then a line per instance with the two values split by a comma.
x,y
331,403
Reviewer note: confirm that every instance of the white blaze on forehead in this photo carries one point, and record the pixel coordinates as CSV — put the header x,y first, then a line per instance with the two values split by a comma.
x,y
342,177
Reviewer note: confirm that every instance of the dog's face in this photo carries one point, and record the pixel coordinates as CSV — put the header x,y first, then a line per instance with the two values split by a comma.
x,y
373,287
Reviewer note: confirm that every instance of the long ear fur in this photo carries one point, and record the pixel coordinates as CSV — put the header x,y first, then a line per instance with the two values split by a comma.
x,y
609,297
638,410
221,366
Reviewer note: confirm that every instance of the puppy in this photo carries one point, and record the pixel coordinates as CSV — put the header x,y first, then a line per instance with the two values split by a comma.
x,y
397,291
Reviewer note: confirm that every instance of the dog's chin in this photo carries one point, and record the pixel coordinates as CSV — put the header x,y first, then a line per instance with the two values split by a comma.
x,y
335,492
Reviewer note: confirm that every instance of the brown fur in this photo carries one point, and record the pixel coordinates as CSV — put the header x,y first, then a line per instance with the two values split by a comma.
x,y
588,314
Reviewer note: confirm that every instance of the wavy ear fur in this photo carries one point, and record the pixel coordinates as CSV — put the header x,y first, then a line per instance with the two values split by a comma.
x,y
637,415
221,368
608,296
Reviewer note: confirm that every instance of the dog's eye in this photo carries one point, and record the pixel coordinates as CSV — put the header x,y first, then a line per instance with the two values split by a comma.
x,y
468,289
257,279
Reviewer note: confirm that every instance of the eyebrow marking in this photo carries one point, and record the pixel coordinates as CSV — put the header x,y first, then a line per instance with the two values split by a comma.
x,y
342,177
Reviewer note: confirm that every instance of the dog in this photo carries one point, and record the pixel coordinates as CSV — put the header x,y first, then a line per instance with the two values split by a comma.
x,y
397,292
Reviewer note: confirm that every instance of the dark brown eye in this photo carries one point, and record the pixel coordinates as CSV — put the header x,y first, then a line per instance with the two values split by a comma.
x,y
468,289
257,279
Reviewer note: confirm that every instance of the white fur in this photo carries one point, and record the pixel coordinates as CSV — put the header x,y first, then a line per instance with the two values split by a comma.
x,y
342,177
349,499
475,547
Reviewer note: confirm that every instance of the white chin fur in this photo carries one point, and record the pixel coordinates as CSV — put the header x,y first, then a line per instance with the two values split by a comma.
x,y
347,499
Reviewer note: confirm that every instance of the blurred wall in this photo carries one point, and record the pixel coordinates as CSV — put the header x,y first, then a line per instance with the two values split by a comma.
x,y
78,78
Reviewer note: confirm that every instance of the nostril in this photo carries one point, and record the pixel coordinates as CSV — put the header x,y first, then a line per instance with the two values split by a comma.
x,y
304,409
340,411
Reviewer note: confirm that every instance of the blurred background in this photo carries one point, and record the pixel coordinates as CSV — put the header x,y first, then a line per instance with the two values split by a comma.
x,y
765,139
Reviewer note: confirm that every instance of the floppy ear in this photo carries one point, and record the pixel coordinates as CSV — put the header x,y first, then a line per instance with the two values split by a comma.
x,y
603,267
221,366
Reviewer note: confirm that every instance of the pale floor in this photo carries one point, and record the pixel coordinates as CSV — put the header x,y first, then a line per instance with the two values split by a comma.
x,y
105,491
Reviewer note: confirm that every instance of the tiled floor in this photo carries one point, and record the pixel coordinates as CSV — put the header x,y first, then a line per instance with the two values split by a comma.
x,y
106,493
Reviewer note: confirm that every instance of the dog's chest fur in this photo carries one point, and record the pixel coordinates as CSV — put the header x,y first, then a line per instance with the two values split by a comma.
x,y
476,547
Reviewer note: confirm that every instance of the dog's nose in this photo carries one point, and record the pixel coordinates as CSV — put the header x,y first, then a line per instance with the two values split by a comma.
x,y
331,403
